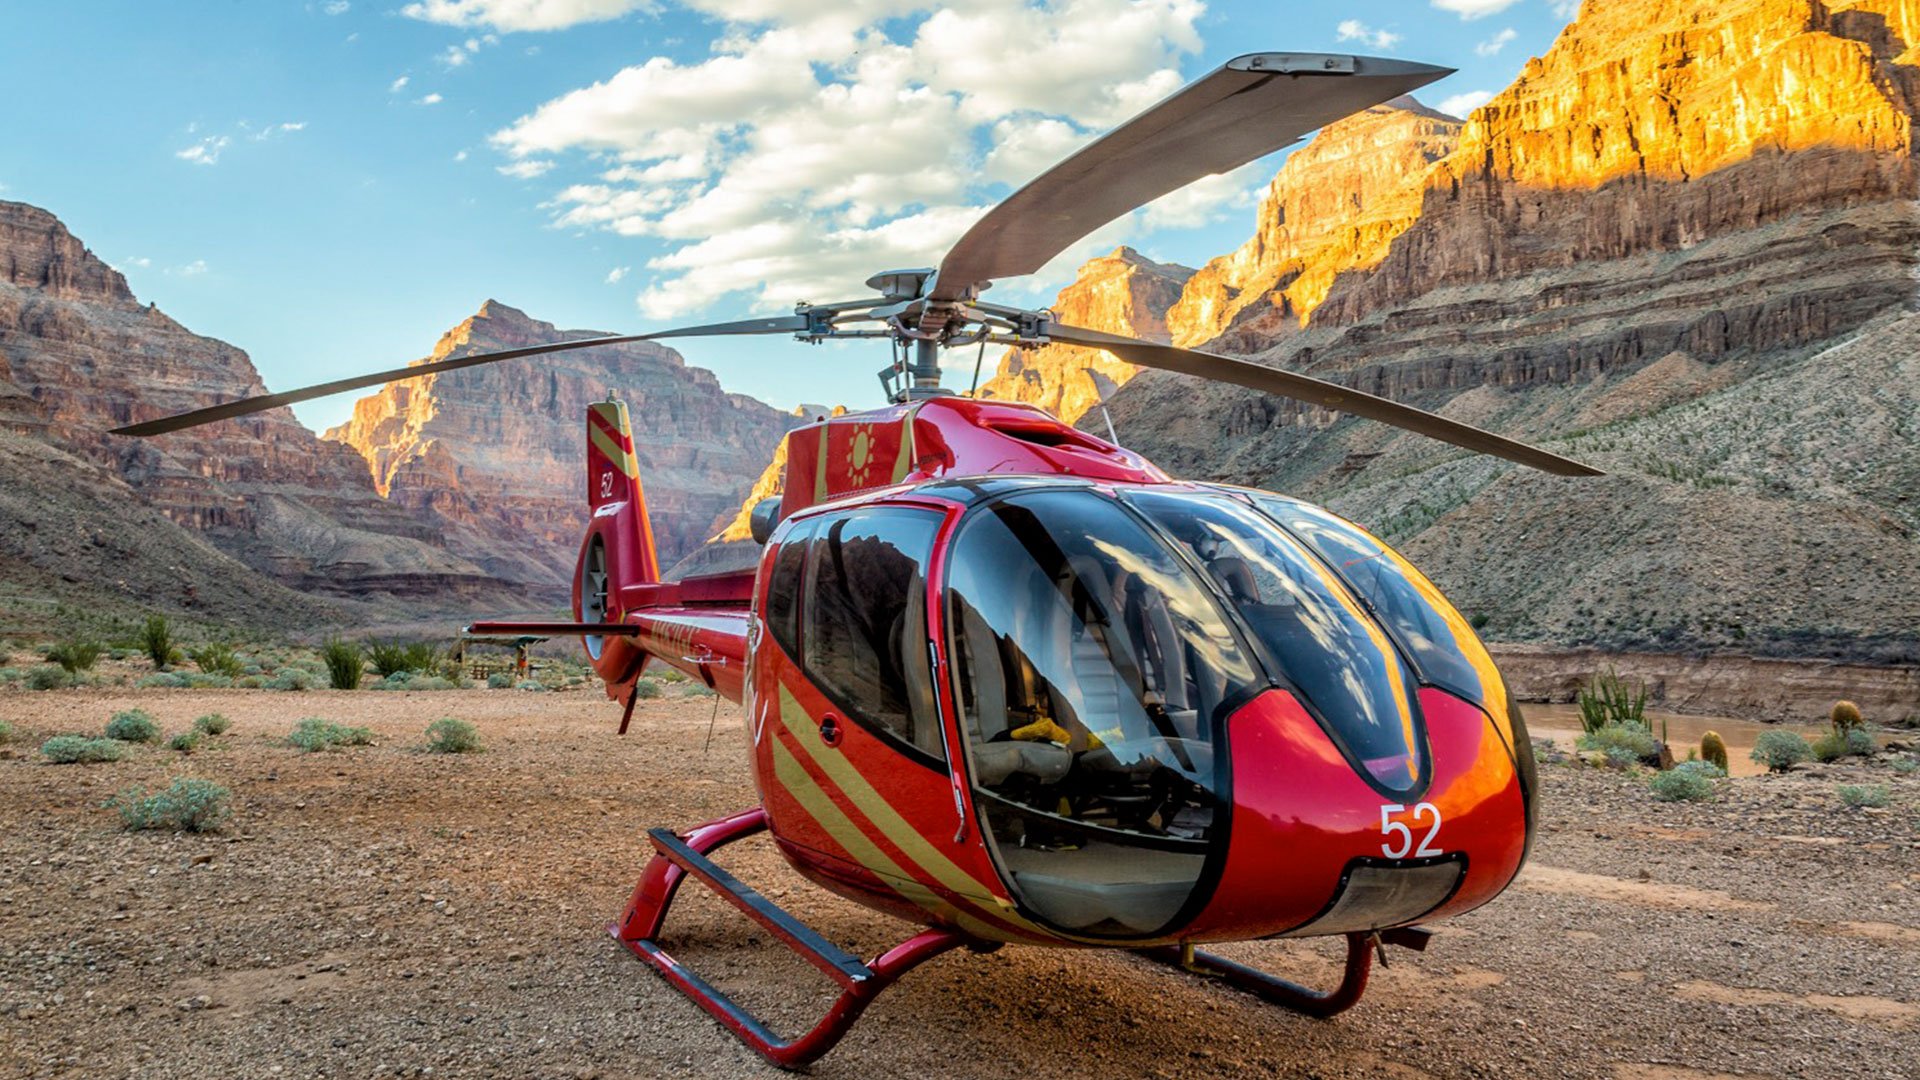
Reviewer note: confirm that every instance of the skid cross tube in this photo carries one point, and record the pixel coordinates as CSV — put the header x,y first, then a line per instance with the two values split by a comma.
x,y
1272,988
680,857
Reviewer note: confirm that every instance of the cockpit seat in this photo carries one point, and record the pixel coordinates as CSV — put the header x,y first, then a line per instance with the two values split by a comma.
x,y
995,762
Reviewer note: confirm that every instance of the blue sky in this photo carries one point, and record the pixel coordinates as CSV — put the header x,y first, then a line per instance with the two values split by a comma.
x,y
332,184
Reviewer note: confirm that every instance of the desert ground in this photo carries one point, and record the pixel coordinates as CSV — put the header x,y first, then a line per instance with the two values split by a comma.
x,y
380,911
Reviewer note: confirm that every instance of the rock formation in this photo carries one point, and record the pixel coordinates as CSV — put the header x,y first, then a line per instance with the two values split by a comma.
x,y
80,355
1121,293
498,454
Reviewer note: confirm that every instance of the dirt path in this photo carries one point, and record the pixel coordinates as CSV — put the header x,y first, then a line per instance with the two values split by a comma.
x,y
381,912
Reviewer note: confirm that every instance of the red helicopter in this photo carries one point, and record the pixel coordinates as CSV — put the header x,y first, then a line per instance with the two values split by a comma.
x,y
1012,683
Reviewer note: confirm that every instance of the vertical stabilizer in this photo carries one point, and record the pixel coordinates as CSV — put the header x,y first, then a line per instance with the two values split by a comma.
x,y
614,492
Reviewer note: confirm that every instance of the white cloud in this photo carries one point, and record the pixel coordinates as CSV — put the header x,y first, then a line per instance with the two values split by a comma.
x,y
460,156
335,7
525,170
192,269
614,275
138,262
206,151
458,55
398,84
271,130
510,15
1494,44
821,140
1355,30
1474,9
430,99
1462,104
1566,9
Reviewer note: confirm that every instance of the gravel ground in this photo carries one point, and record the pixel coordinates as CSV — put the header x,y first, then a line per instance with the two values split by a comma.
x,y
382,912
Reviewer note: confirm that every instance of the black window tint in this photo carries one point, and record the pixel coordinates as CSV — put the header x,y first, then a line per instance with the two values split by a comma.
x,y
863,621
783,590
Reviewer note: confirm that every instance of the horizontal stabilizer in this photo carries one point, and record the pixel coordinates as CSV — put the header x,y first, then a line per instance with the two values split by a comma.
x,y
551,629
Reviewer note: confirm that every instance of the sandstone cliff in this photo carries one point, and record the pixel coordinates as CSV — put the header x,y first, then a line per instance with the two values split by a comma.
x,y
497,453
79,355
1659,244
1121,293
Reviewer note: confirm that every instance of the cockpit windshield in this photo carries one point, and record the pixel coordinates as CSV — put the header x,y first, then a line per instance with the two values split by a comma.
x,y
1091,669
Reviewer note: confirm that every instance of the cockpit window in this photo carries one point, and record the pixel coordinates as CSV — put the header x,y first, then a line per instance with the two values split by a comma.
x,y
1091,670
1437,636
1313,629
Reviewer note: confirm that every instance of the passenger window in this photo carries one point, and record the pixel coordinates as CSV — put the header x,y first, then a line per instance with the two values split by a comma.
x,y
864,625
783,588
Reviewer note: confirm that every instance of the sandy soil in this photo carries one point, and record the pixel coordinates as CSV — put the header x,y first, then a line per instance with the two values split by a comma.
x,y
383,912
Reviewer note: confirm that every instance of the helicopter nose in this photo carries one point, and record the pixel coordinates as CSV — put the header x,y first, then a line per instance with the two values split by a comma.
x,y
1315,847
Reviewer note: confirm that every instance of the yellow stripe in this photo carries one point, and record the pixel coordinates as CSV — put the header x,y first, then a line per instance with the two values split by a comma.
x,y
820,462
914,846
620,458
903,457
794,777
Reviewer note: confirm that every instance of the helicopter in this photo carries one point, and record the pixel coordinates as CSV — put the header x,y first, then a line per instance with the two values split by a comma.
x,y
1014,684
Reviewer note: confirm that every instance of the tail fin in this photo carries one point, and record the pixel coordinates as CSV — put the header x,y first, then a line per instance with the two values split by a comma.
x,y
619,505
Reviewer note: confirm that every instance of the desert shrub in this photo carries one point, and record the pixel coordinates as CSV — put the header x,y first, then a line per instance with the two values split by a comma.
x,y
133,725
250,682
390,657
1780,750
1860,742
1858,795
81,749
646,688
1624,743
1829,747
156,640
293,678
1714,749
200,680
1681,785
1701,768
313,734
6,731
11,675
187,805
531,685
50,677
218,658
450,736
671,675
75,656
1844,715
213,724
1607,700
1905,763
345,664
499,680
432,682
186,742
696,690
161,680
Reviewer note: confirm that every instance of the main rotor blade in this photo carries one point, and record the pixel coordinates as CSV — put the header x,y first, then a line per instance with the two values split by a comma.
x,y
1318,392
1250,107
784,325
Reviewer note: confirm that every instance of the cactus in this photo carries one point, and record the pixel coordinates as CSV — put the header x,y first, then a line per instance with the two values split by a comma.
x,y
1714,749
1844,717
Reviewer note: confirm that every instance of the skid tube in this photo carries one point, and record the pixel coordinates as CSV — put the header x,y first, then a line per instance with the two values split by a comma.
x,y
1278,991
677,859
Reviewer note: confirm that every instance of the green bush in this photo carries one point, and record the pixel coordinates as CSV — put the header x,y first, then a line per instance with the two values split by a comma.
x,y
1624,743
646,688
1831,746
76,656
6,731
133,725
187,805
1702,768
186,742
1606,700
1905,763
218,658
390,657
213,724
450,736
81,749
156,640
345,664
1860,743
499,680
162,680
50,677
313,734
293,678
1681,785
1780,750
531,685
673,675
1858,795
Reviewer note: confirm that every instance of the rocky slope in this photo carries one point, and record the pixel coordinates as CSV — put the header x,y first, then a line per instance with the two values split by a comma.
x,y
1122,293
1680,245
79,355
498,453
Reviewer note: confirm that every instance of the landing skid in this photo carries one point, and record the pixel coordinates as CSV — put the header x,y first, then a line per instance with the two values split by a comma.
x,y
1278,991
678,858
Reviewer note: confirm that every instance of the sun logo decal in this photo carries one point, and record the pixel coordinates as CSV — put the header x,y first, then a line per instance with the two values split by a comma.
x,y
860,458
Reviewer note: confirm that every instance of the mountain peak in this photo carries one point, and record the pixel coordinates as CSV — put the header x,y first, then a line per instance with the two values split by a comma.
x,y
38,252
